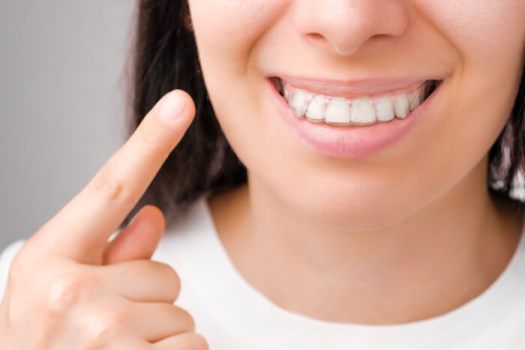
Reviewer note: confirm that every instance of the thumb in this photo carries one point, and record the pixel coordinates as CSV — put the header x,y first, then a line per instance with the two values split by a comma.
x,y
139,239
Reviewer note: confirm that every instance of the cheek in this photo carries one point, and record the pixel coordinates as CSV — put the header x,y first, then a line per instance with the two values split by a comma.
x,y
226,30
227,34
480,30
489,39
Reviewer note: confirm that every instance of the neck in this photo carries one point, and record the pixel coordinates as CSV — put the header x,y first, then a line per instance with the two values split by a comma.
x,y
420,267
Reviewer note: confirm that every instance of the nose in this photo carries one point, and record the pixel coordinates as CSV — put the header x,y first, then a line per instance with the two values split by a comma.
x,y
343,26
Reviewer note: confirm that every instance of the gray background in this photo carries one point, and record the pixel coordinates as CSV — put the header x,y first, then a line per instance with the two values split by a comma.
x,y
62,93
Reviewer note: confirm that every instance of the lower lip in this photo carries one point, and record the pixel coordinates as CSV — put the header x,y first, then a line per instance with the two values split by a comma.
x,y
350,142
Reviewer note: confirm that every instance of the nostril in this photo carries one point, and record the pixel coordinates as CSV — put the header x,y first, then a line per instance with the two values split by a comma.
x,y
316,36
379,37
317,40
321,42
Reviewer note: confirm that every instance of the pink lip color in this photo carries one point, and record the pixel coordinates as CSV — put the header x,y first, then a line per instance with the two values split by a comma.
x,y
355,88
349,142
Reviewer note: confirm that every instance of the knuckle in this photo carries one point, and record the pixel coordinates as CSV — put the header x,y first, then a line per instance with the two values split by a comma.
x,y
66,291
25,259
103,326
106,186
20,266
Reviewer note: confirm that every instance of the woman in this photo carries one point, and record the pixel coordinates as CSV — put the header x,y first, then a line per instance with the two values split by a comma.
x,y
345,185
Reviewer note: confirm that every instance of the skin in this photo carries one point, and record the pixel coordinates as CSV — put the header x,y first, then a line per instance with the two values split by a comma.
x,y
88,293
405,234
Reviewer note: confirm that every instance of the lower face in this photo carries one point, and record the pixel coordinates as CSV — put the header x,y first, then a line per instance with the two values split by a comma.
x,y
471,51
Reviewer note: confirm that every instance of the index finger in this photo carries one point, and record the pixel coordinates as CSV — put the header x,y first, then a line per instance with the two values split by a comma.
x,y
82,228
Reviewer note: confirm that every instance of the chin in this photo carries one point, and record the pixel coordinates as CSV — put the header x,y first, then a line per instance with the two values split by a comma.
x,y
358,209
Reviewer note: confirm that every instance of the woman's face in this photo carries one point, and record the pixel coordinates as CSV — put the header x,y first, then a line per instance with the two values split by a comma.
x,y
474,47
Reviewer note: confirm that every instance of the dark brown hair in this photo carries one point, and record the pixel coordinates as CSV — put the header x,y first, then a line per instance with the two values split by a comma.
x,y
165,58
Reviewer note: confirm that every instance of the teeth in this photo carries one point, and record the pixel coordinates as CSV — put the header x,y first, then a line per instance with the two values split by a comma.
x,y
342,111
363,111
316,109
384,109
415,99
338,111
401,106
300,101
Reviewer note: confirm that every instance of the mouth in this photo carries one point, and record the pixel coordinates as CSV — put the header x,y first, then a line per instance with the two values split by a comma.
x,y
354,120
312,103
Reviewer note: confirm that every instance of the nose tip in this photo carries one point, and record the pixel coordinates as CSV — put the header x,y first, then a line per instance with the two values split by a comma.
x,y
344,26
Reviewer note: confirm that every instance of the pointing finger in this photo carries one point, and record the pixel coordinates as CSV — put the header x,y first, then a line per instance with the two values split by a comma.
x,y
82,228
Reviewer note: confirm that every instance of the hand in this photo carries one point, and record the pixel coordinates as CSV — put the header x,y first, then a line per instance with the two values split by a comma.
x,y
70,288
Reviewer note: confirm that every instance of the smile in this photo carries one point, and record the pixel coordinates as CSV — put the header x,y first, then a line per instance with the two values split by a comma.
x,y
338,110
353,120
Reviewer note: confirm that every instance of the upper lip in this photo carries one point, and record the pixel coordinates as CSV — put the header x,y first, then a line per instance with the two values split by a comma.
x,y
355,88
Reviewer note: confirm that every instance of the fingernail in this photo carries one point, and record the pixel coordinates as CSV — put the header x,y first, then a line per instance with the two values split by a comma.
x,y
172,107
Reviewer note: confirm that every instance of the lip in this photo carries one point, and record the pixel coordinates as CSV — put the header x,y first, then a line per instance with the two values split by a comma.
x,y
352,141
355,88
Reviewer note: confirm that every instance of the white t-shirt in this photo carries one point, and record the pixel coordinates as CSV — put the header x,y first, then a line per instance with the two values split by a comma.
x,y
233,315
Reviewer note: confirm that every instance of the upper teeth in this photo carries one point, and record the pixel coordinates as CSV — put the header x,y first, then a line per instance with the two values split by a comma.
x,y
342,111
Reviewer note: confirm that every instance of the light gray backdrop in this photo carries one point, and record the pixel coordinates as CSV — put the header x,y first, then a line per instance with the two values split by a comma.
x,y
61,102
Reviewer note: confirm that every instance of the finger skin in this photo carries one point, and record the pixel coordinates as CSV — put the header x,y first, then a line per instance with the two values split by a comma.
x,y
104,319
156,321
141,280
81,229
185,341
139,239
